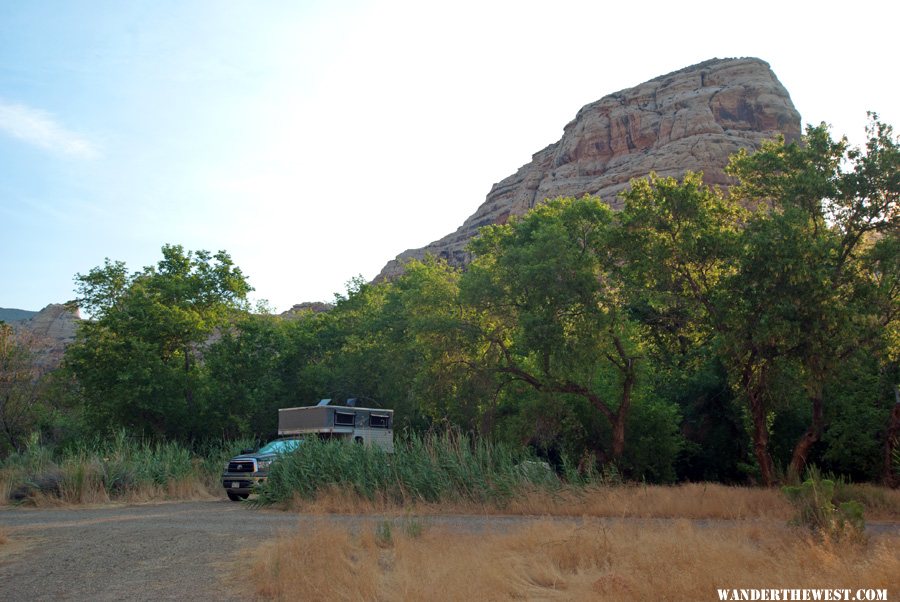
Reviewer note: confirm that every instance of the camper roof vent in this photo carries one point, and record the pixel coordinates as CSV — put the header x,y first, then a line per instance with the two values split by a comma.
x,y
324,402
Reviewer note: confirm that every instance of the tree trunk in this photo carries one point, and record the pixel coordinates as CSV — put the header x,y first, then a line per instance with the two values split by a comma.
x,y
189,393
891,441
753,379
809,437
618,432
761,440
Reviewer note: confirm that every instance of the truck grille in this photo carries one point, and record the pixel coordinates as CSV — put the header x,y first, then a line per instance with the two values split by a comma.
x,y
241,466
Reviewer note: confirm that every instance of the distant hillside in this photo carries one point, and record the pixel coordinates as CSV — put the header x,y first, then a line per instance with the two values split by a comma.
x,y
15,315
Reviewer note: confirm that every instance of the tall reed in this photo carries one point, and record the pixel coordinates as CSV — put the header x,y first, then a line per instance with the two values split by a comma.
x,y
116,467
440,468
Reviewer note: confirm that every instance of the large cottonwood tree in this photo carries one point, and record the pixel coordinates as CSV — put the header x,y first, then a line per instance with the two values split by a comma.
x,y
136,359
552,309
788,275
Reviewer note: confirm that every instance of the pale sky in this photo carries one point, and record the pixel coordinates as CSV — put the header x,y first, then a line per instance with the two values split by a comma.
x,y
314,141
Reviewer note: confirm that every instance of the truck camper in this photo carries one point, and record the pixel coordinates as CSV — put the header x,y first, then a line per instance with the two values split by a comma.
x,y
366,426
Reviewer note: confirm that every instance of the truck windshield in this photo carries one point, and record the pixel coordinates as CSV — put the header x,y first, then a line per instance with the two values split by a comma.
x,y
279,446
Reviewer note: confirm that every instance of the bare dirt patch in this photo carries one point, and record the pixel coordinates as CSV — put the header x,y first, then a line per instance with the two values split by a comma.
x,y
174,551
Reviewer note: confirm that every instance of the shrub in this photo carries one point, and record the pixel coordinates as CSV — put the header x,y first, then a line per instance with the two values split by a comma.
x,y
814,502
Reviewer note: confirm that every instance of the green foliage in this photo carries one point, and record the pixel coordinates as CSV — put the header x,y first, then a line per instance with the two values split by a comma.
x,y
715,440
137,362
116,466
259,364
656,441
21,384
783,291
405,344
384,534
34,458
433,469
858,407
813,501
551,308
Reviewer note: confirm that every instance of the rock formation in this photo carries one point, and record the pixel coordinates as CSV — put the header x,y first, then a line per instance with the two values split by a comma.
x,y
307,307
48,332
56,322
689,120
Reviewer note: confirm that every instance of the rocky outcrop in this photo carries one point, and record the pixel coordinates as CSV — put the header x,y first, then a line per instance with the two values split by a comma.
x,y
690,120
49,332
56,322
307,307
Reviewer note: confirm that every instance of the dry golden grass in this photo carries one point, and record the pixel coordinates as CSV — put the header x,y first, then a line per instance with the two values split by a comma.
x,y
880,502
4,536
691,500
93,492
637,501
674,560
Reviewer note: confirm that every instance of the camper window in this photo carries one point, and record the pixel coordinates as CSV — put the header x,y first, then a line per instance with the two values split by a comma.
x,y
344,419
380,421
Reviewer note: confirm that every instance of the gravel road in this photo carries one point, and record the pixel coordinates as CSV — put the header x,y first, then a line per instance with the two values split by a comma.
x,y
173,551
166,551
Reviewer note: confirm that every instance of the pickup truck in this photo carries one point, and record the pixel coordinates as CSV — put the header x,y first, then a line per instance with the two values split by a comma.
x,y
245,471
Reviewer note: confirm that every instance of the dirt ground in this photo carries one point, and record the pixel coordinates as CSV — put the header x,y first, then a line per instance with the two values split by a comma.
x,y
166,551
173,551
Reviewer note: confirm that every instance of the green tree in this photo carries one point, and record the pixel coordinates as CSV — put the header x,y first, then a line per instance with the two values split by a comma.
x,y
678,243
137,360
551,308
259,364
20,387
426,318
354,359
821,259
781,276
403,344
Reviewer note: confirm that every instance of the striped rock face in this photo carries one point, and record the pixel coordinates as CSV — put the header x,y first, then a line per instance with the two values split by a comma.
x,y
690,120
47,333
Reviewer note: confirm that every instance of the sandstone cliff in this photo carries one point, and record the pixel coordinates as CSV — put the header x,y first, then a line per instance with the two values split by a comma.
x,y
689,120
48,332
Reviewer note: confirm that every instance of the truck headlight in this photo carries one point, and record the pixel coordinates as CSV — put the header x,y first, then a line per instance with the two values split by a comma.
x,y
263,465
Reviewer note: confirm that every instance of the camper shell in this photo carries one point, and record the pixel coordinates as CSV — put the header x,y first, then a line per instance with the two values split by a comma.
x,y
368,426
